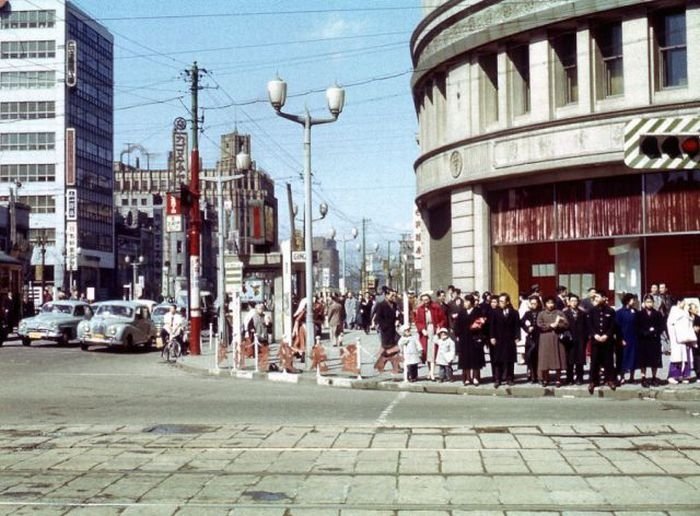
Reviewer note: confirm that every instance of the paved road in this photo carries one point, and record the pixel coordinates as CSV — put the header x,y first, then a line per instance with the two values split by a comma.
x,y
118,433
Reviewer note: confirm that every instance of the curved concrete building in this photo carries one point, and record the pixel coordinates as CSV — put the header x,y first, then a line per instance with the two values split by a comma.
x,y
523,108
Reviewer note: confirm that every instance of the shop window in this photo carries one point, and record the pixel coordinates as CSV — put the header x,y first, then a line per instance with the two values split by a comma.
x,y
609,69
522,215
565,69
671,55
488,78
672,201
520,79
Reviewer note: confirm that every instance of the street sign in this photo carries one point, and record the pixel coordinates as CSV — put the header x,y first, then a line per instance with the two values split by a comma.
x,y
233,274
173,223
71,204
662,143
299,257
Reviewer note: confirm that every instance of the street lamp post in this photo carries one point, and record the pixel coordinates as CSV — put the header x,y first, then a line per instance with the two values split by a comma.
x,y
335,96
242,163
345,240
135,263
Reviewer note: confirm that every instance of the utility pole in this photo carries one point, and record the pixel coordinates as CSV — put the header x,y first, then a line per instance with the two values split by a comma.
x,y
388,263
193,76
363,265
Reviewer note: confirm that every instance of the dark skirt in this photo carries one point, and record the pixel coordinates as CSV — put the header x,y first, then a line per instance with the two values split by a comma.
x,y
471,353
649,352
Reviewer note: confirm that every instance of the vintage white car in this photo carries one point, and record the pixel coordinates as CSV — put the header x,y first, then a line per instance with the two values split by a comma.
x,y
118,323
57,321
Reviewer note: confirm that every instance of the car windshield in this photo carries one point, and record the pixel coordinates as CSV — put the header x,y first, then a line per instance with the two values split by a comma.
x,y
51,308
115,311
160,311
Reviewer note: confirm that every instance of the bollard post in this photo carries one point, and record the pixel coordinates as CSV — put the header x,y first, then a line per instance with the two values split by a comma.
x,y
255,344
405,367
234,354
359,359
211,335
216,353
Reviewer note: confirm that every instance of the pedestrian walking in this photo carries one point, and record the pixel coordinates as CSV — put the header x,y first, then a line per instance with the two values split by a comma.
x,y
469,331
626,320
299,331
365,312
445,354
336,320
411,350
350,311
650,326
505,335
387,317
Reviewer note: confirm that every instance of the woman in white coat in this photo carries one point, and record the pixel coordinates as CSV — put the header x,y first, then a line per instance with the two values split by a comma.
x,y
682,338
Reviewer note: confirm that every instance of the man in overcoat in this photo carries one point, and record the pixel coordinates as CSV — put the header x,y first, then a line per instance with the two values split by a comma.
x,y
505,336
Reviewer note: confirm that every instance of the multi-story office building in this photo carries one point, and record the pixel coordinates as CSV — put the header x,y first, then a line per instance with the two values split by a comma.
x,y
56,104
521,178
249,202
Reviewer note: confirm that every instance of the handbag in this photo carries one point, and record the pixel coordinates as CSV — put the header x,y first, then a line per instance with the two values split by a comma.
x,y
685,333
566,337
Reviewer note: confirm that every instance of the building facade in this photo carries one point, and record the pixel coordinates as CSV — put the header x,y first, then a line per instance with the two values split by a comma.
x,y
56,108
250,209
521,179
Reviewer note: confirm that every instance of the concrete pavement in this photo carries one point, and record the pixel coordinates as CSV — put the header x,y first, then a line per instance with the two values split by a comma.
x,y
370,379
260,469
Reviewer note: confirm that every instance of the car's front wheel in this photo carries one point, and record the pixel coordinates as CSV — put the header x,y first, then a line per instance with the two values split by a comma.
x,y
84,346
129,342
26,341
65,338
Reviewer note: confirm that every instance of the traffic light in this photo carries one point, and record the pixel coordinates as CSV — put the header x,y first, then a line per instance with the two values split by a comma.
x,y
670,146
186,196
669,143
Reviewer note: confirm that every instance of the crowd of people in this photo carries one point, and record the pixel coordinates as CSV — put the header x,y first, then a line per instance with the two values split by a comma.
x,y
558,337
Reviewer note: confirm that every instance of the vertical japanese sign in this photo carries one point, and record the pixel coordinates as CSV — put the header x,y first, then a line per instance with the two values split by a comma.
x,y
72,246
71,63
70,157
180,144
71,204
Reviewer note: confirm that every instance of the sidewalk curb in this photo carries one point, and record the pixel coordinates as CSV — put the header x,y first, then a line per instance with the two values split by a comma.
x,y
663,394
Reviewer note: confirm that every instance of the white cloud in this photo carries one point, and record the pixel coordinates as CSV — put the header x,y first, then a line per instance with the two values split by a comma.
x,y
336,26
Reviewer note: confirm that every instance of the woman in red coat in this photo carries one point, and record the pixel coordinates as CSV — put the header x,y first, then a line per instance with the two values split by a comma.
x,y
429,319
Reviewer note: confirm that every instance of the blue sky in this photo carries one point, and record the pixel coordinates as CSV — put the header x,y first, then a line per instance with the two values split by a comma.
x,y
363,164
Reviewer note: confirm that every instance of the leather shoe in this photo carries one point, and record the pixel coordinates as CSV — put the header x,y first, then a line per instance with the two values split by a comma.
x,y
591,388
496,385
612,386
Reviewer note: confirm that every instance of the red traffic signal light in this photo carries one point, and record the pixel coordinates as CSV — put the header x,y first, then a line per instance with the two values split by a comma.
x,y
690,145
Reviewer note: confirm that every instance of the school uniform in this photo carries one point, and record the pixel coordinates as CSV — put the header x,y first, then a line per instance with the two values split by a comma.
x,y
601,322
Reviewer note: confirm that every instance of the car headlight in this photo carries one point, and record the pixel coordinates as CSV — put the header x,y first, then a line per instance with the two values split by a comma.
x,y
22,325
53,326
112,331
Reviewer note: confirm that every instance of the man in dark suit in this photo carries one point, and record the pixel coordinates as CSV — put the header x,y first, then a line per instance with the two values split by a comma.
x,y
505,335
600,321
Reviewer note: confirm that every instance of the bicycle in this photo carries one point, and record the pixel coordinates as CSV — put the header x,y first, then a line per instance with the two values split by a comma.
x,y
172,350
